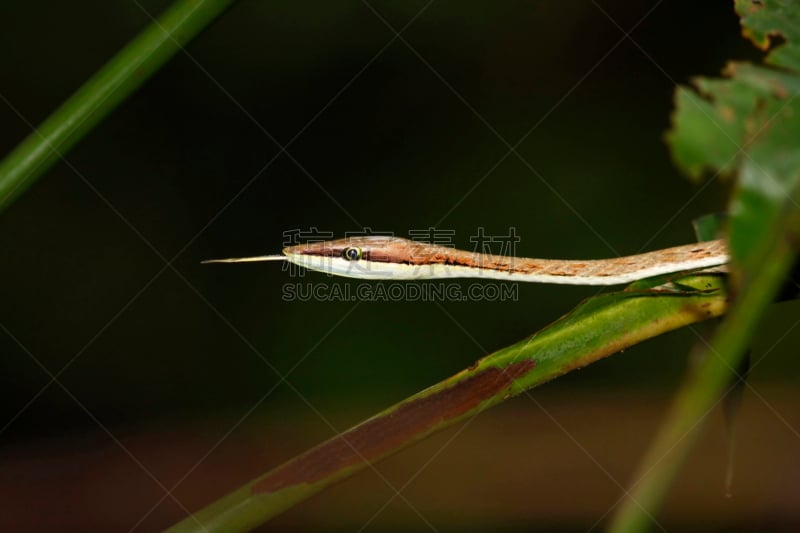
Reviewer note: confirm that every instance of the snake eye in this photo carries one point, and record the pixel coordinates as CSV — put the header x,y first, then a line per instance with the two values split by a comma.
x,y
352,253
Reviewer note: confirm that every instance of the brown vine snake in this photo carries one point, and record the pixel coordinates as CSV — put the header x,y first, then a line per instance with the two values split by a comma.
x,y
380,257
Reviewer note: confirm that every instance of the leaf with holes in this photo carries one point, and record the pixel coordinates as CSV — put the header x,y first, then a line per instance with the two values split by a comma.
x,y
745,125
748,124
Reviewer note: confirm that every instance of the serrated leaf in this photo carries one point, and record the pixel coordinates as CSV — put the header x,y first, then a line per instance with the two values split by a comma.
x,y
763,20
701,138
756,108
748,124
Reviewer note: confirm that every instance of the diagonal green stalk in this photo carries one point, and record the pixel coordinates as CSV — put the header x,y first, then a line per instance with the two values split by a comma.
x,y
597,328
122,75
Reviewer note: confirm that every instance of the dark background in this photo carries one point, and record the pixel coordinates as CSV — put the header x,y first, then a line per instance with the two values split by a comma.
x,y
157,364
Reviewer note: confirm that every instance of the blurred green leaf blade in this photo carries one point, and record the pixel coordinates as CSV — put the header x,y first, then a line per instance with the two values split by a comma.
x,y
103,92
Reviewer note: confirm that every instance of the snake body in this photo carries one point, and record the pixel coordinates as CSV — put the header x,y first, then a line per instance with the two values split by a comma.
x,y
381,257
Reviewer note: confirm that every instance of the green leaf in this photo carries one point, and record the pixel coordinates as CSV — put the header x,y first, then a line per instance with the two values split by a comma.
x,y
597,328
764,19
746,125
709,227
706,134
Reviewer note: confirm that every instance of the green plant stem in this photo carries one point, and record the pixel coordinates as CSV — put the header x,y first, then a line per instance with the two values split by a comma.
x,y
705,387
597,328
123,74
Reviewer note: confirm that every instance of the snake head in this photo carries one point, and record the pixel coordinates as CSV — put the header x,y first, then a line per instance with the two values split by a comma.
x,y
369,256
